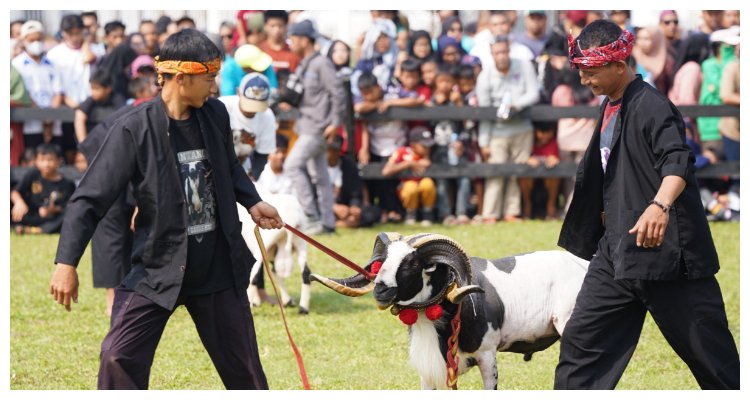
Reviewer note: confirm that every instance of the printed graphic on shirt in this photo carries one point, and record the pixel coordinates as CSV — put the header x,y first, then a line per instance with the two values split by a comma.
x,y
608,129
198,186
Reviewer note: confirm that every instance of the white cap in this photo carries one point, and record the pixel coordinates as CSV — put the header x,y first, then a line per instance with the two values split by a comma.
x,y
30,27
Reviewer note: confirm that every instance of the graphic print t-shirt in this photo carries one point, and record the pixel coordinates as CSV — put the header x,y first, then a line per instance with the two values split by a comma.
x,y
208,268
608,128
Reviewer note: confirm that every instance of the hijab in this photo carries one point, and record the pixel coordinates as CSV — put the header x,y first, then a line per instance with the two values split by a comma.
x,y
655,60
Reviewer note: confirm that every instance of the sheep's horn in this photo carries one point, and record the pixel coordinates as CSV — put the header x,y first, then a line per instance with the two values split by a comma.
x,y
354,286
456,294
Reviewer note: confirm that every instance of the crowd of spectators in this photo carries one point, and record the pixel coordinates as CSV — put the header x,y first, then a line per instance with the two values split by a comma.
x,y
485,62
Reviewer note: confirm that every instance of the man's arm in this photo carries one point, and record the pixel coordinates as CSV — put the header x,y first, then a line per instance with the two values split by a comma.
x,y
79,124
652,224
335,89
20,208
531,87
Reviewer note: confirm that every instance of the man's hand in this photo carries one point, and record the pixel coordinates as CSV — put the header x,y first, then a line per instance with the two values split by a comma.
x,y
363,156
64,285
551,161
650,227
330,132
485,153
533,162
284,106
18,211
265,216
419,167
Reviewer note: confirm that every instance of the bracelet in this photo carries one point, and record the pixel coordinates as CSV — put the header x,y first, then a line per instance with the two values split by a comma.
x,y
661,205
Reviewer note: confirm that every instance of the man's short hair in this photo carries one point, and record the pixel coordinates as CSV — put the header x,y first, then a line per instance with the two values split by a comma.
x,y
465,72
445,69
90,14
112,26
410,65
146,21
137,84
500,39
189,45
48,148
599,33
278,14
101,77
544,126
366,81
185,19
70,22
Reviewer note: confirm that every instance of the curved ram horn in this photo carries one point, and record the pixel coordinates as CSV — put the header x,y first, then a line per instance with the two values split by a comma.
x,y
354,286
456,295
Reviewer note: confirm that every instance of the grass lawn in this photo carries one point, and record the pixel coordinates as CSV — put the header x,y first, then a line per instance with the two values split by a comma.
x,y
346,343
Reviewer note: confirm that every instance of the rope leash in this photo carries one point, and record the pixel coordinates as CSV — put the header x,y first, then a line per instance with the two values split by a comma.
x,y
300,363
452,355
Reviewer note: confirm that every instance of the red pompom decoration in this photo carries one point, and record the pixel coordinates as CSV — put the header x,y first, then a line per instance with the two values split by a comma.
x,y
375,267
434,312
408,316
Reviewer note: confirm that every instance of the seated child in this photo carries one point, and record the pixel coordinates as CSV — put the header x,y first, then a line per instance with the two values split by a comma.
x,y
547,153
40,197
347,186
101,98
414,191
273,178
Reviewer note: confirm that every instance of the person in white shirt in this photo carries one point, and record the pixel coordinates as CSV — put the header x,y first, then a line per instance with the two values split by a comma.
x,y
251,120
41,80
273,178
499,24
73,59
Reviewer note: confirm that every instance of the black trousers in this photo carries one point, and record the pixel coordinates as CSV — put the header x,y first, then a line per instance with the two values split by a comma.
x,y
224,324
603,331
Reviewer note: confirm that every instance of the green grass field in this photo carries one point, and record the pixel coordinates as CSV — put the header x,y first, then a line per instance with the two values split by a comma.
x,y
346,343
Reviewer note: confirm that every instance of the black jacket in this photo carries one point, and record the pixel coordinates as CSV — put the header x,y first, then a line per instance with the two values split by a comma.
x,y
137,150
648,144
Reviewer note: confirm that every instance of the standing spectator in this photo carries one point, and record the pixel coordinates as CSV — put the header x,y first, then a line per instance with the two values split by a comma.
x,y
340,55
686,86
247,59
102,100
284,60
185,22
114,35
147,29
19,97
165,28
546,153
347,186
91,29
40,197
622,19
509,138
73,59
321,109
41,80
250,118
450,51
499,25
637,216
731,18
249,28
225,33
650,52
15,41
670,27
379,54
117,64
723,52
729,127
711,20
536,35
452,27
187,246
420,46
415,191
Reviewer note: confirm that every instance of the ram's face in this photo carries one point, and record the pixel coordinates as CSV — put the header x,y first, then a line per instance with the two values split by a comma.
x,y
406,277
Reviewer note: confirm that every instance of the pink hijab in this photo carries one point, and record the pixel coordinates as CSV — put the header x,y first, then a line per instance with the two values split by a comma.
x,y
655,60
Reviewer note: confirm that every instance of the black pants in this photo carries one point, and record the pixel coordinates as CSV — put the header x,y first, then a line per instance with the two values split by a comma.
x,y
224,324
606,323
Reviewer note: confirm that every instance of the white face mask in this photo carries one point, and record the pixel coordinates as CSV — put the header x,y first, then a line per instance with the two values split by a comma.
x,y
34,48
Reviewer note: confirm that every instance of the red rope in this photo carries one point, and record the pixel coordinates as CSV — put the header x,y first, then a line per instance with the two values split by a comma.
x,y
331,253
300,363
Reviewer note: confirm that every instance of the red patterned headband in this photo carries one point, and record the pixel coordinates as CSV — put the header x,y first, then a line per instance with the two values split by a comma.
x,y
618,50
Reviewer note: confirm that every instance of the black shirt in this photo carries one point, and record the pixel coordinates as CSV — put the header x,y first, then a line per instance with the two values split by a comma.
x,y
208,269
114,102
39,192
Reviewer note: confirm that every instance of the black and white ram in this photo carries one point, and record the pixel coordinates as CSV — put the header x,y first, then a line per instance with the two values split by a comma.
x,y
514,304
281,247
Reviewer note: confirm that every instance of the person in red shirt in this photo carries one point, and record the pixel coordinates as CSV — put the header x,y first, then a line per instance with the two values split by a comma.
x,y
547,153
415,190
275,24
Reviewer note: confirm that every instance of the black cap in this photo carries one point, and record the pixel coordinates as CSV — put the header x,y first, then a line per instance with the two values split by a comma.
x,y
303,28
420,134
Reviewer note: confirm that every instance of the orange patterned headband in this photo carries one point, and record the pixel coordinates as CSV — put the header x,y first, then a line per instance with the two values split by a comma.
x,y
185,67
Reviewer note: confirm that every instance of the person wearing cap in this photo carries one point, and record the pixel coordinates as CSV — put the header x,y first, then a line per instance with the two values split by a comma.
x,y
42,81
321,110
415,191
249,114
247,58
637,215
177,152
536,35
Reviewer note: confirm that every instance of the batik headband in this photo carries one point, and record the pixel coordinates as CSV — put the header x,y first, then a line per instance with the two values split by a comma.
x,y
618,50
185,67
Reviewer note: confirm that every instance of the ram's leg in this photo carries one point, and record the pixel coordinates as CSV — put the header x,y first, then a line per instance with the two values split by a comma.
x,y
425,385
252,291
488,368
304,297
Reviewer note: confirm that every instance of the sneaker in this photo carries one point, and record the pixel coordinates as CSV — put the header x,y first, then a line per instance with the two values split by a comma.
x,y
462,220
426,222
411,217
450,221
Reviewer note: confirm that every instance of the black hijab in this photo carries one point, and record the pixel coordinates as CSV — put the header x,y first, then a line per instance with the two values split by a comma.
x,y
117,63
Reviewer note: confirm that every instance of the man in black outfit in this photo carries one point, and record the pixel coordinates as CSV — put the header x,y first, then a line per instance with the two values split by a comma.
x,y
177,152
637,210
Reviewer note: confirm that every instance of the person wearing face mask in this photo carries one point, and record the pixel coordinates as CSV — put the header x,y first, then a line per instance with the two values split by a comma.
x,y
41,80
73,59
